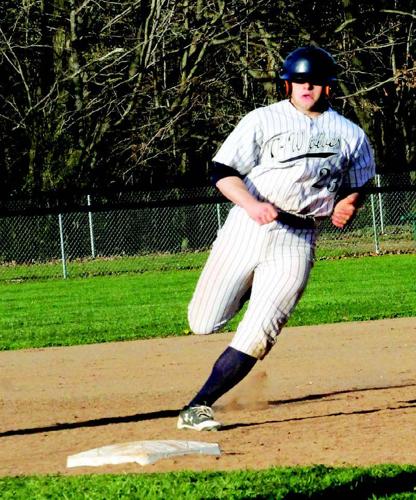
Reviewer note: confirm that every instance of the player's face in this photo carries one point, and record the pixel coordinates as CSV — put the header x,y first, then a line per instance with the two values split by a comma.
x,y
306,97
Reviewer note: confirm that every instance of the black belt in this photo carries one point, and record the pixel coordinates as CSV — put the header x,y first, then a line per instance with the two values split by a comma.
x,y
296,221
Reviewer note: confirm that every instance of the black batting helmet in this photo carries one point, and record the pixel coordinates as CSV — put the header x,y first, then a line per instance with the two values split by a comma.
x,y
309,64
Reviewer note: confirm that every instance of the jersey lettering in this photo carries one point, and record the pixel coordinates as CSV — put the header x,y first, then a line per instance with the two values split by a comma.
x,y
283,147
327,180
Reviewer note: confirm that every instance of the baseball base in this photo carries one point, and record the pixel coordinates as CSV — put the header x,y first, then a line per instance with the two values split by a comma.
x,y
141,452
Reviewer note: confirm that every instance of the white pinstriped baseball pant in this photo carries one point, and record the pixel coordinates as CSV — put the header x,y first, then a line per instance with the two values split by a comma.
x,y
273,259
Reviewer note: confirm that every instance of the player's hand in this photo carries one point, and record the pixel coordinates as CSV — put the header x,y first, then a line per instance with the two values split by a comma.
x,y
262,212
344,210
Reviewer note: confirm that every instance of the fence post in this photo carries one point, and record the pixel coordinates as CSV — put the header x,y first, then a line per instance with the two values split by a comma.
x,y
373,212
91,228
218,216
380,205
61,234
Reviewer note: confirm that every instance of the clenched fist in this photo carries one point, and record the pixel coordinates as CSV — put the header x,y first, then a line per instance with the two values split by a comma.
x,y
262,212
344,210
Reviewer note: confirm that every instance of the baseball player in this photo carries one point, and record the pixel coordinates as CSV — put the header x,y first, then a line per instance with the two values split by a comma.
x,y
284,166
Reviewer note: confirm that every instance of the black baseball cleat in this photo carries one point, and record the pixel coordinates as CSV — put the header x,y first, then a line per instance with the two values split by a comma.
x,y
198,418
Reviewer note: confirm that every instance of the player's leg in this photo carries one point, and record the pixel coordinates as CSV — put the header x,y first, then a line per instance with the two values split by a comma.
x,y
229,369
223,287
227,275
220,292
278,285
279,281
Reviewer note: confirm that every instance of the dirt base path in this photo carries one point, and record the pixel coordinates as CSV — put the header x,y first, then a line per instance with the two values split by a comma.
x,y
340,394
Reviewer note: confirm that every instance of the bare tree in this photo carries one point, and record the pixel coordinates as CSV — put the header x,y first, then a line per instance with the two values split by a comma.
x,y
97,92
379,77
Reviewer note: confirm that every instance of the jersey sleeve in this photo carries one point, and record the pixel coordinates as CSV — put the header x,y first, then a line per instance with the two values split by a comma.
x,y
362,166
242,147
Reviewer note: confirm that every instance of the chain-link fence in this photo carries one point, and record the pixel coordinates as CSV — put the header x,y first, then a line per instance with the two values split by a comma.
x,y
120,240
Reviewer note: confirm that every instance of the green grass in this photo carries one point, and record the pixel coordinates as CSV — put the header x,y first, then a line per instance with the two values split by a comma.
x,y
154,304
359,289
276,483
103,266
38,313
100,309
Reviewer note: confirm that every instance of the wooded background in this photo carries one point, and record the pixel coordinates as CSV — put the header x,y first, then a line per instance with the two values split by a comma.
x,y
141,93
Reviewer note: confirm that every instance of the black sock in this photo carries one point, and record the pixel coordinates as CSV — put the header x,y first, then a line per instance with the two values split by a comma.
x,y
231,367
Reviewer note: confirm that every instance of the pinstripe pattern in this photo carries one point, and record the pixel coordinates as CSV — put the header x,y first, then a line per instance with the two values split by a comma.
x,y
278,283
273,259
297,163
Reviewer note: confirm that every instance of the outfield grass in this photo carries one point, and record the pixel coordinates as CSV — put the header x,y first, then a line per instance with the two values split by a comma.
x,y
275,483
153,304
103,266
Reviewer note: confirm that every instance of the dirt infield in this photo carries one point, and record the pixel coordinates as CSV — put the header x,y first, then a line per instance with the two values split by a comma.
x,y
340,394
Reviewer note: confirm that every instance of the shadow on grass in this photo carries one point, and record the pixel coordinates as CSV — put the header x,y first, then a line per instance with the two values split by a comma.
x,y
364,486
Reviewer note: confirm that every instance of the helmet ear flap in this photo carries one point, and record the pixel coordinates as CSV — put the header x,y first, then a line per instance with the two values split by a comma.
x,y
288,89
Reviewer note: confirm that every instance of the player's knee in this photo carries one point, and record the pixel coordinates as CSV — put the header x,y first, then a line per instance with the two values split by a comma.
x,y
199,325
200,329
260,350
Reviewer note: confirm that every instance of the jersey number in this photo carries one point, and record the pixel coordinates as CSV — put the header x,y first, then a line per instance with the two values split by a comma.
x,y
326,181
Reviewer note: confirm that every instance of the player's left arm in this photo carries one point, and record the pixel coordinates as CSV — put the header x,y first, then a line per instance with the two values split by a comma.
x,y
351,195
347,207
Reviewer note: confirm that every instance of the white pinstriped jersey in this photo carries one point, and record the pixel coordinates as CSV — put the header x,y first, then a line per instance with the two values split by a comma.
x,y
296,162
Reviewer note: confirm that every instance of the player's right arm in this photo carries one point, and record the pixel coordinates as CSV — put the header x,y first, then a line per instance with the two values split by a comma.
x,y
234,160
233,188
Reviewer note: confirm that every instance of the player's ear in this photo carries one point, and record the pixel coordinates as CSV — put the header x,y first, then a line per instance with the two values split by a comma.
x,y
283,88
330,91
